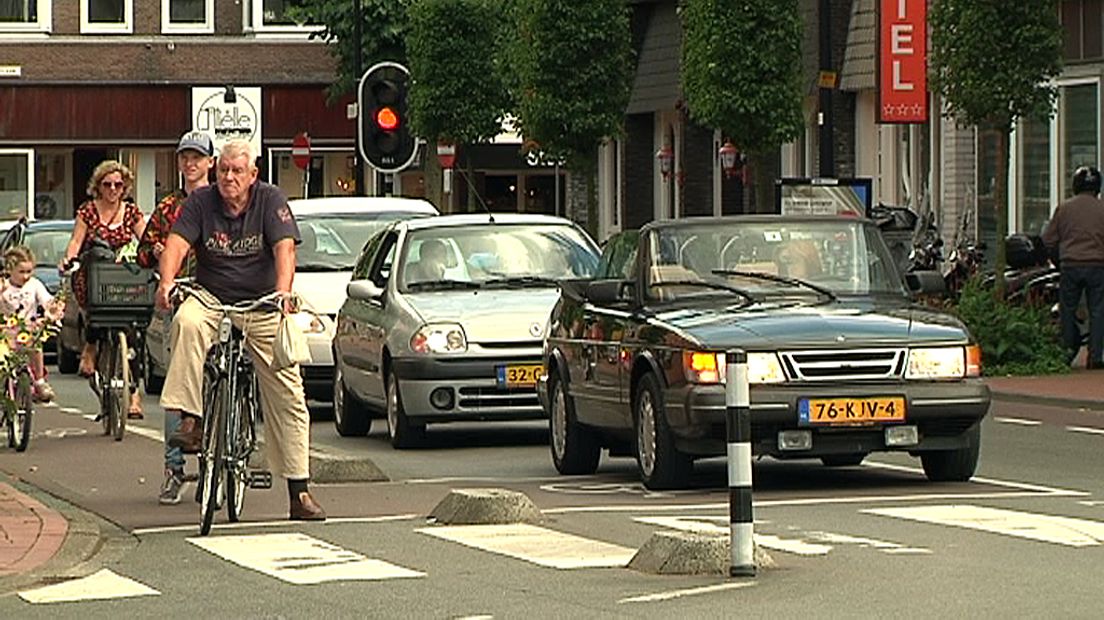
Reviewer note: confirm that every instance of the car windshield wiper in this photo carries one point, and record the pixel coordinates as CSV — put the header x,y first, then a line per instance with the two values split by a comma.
x,y
442,285
323,267
773,278
520,281
720,286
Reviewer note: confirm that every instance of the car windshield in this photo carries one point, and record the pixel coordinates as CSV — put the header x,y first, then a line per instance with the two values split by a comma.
x,y
488,255
48,246
331,242
824,258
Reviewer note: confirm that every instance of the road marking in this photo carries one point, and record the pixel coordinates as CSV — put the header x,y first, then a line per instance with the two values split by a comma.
x,y
535,544
705,525
673,594
262,524
1045,528
100,585
71,410
299,559
1085,429
1091,502
603,488
1019,421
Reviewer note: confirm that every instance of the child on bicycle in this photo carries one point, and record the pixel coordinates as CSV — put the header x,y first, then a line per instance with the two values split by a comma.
x,y
22,295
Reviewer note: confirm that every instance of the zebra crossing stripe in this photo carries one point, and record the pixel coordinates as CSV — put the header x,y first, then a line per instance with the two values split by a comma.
x,y
299,559
1045,528
100,585
537,545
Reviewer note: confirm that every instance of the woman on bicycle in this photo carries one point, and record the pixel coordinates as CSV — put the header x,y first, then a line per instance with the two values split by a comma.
x,y
23,295
110,216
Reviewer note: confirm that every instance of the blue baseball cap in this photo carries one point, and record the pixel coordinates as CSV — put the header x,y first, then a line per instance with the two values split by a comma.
x,y
196,141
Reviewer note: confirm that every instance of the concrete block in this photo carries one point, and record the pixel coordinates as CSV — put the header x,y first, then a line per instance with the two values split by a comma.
x,y
484,507
325,467
682,553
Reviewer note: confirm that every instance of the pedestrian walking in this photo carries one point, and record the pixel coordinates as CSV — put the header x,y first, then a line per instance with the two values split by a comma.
x,y
194,159
244,236
1075,235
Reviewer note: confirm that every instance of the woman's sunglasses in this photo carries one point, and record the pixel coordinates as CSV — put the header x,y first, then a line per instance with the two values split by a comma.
x,y
111,184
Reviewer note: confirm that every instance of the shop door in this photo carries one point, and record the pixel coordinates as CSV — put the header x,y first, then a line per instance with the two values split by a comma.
x,y
16,184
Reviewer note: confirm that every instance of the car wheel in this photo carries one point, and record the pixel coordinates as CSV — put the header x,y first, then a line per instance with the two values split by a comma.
x,y
153,381
403,433
954,465
350,416
67,361
660,463
843,460
575,448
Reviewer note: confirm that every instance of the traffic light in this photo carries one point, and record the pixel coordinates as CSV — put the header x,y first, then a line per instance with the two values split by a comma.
x,y
383,122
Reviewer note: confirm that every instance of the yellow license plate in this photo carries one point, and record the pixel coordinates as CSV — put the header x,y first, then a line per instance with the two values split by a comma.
x,y
848,411
519,375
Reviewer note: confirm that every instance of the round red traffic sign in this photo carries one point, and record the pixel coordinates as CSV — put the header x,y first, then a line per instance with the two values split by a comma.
x,y
300,151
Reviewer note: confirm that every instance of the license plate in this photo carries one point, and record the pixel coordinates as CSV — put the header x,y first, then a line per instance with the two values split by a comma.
x,y
849,411
519,375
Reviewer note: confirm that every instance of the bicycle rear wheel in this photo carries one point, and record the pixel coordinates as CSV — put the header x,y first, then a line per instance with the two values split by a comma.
x,y
212,458
19,432
237,475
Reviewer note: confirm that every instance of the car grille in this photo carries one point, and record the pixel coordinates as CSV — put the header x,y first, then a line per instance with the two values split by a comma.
x,y
496,398
844,365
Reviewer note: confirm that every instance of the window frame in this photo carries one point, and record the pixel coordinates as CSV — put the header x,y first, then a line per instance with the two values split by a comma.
x,y
254,19
124,27
42,24
207,27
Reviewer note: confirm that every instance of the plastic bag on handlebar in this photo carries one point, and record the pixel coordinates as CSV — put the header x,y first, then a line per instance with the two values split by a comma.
x,y
290,347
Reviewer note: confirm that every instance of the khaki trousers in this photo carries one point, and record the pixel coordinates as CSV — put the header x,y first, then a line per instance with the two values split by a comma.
x,y
286,419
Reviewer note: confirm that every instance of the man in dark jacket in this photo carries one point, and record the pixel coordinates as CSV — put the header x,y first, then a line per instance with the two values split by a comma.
x,y
1076,233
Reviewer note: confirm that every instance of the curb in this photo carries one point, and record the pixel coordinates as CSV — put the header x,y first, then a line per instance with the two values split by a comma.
x,y
1051,401
90,543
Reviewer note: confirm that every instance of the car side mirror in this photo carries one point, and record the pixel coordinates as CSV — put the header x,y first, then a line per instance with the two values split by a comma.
x,y
364,290
925,282
607,292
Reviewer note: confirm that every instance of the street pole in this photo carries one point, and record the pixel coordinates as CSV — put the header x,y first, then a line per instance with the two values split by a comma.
x,y
738,433
358,62
827,130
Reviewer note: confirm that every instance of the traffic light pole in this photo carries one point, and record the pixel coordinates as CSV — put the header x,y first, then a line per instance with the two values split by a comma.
x,y
358,61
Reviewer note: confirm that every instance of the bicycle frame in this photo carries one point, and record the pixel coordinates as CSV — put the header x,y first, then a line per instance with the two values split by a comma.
x,y
17,397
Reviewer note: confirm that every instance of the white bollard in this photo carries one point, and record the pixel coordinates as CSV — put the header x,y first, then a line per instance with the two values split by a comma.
x,y
738,431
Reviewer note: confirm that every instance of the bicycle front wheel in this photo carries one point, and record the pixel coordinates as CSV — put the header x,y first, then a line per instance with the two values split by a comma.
x,y
120,386
19,432
213,457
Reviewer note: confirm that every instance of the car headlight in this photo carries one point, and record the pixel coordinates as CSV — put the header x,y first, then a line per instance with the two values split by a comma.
x,y
944,362
702,367
439,338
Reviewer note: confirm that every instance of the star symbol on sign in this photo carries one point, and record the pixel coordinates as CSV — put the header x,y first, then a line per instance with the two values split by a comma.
x,y
887,110
917,109
902,109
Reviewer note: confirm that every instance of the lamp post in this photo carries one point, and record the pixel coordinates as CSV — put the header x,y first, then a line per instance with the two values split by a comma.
x,y
729,155
358,61
665,156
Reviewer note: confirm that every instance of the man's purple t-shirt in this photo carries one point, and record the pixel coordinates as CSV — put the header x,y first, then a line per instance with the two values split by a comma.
x,y
234,258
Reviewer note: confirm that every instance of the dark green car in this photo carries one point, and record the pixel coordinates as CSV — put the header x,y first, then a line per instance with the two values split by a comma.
x,y
842,362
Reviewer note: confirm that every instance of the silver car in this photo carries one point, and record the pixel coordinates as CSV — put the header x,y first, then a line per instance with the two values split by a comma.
x,y
445,319
333,231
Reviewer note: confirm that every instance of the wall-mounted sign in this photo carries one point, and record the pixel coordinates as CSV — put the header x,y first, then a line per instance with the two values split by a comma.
x,y
11,70
902,61
228,115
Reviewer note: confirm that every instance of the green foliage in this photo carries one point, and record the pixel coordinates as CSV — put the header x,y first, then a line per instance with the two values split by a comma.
x,y
573,64
383,29
993,61
457,94
742,69
1014,339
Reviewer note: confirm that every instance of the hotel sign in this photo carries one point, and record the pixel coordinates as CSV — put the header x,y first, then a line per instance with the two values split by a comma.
x,y
902,61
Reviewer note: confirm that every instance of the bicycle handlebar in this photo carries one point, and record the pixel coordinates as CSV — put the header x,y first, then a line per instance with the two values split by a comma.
x,y
185,289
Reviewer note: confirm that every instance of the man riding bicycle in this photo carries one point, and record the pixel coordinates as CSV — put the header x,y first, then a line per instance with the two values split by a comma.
x,y
244,236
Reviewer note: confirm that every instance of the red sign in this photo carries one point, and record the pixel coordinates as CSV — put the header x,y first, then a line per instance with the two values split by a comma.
x,y
902,61
446,154
300,151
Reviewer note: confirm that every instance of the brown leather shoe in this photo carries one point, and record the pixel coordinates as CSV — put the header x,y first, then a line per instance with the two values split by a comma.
x,y
304,508
189,437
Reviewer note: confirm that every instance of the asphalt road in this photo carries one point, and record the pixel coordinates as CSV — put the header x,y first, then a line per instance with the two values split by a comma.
x,y
1024,538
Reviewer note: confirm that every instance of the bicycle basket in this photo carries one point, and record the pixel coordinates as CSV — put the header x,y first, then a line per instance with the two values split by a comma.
x,y
119,292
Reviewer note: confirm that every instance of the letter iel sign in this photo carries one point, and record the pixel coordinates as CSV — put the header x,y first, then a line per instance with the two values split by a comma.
x,y
902,61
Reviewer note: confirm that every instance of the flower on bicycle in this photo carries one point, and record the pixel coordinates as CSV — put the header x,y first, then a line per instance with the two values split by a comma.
x,y
11,321
23,338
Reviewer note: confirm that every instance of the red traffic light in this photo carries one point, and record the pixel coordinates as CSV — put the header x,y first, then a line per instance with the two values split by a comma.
x,y
387,119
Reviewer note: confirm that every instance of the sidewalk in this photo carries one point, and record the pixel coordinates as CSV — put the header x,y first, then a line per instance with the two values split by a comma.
x,y
30,532
1082,389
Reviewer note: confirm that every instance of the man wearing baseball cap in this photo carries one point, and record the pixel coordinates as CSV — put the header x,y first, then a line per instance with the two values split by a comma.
x,y
194,159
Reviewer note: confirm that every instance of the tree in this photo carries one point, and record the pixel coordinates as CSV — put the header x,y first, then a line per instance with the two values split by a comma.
x,y
383,29
741,72
457,95
993,62
573,69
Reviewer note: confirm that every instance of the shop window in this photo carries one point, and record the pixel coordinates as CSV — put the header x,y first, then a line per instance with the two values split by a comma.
x,y
986,220
188,16
276,16
1082,25
1080,128
107,16
1034,138
24,15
